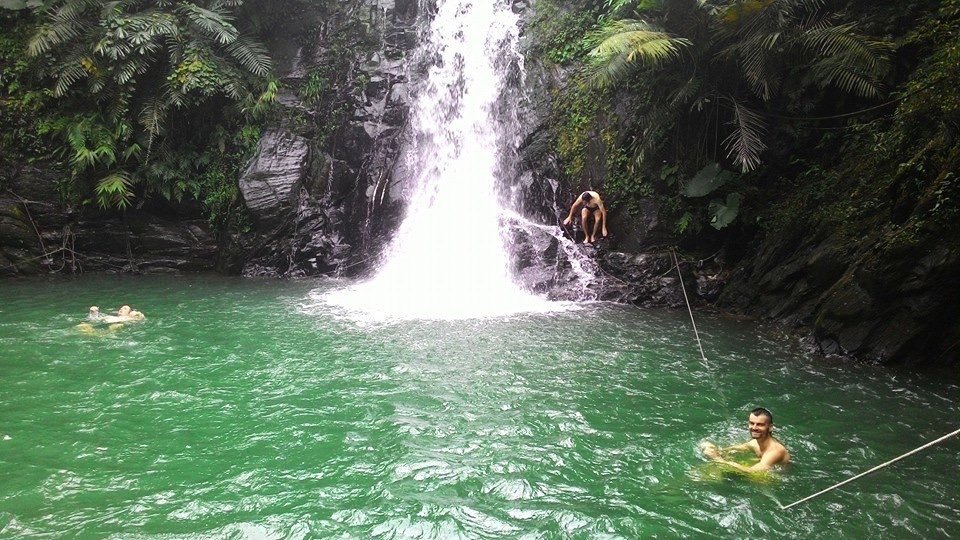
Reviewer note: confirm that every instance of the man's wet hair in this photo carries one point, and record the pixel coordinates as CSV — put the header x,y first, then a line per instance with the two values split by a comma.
x,y
586,196
760,411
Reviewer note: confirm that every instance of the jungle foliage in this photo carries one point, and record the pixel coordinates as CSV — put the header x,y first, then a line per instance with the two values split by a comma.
x,y
144,97
707,103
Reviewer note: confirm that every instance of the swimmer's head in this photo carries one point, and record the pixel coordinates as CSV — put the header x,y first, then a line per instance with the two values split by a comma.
x,y
760,411
136,315
124,311
760,423
94,311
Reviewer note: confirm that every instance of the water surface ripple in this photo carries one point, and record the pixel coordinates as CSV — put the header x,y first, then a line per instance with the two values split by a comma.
x,y
243,409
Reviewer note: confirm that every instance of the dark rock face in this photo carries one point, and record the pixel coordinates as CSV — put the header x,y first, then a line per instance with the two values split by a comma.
x,y
872,298
148,244
893,308
39,234
546,263
273,178
325,206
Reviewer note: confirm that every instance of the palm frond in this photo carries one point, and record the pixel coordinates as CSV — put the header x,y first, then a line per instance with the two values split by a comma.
x,y
687,91
622,44
216,24
69,73
251,55
845,75
218,4
152,115
844,42
745,144
115,190
756,55
63,25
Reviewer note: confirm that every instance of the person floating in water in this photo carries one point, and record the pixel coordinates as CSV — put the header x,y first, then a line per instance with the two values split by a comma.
x,y
770,451
130,314
114,322
124,314
590,205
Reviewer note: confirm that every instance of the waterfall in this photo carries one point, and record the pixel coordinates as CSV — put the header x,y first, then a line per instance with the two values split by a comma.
x,y
449,258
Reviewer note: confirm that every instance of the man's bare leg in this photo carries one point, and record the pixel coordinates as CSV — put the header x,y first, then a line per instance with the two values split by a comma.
x,y
596,225
584,220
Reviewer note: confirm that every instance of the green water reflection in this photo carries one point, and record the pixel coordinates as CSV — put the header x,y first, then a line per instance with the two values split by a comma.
x,y
246,408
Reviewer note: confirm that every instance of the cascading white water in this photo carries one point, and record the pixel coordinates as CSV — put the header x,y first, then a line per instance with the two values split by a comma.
x,y
448,259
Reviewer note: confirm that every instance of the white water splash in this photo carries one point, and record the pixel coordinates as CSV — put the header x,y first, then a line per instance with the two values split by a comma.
x,y
449,260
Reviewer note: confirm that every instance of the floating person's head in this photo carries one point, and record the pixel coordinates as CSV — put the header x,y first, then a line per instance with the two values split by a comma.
x,y
94,312
136,315
124,311
760,423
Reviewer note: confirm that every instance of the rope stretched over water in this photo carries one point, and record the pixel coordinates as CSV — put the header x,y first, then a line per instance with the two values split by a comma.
x,y
877,468
689,309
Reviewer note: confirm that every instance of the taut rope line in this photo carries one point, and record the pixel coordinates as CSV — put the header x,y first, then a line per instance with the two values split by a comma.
x,y
689,309
877,468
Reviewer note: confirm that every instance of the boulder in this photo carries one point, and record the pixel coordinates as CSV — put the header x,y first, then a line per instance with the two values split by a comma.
x,y
271,182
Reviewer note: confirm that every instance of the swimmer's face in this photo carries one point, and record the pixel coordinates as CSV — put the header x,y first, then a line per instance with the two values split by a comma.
x,y
759,426
124,311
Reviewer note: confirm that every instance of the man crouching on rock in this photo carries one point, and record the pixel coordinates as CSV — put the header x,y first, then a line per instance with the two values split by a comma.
x,y
590,205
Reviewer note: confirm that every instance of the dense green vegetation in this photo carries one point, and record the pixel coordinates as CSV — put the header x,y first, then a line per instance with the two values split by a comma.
x,y
136,98
750,114
158,100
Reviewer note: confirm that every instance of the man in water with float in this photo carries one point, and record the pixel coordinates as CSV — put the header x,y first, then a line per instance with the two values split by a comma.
x,y
770,451
590,204
124,314
115,322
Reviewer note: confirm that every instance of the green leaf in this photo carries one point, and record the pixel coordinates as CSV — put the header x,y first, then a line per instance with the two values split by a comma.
x,y
666,172
723,213
707,181
114,190
625,44
685,220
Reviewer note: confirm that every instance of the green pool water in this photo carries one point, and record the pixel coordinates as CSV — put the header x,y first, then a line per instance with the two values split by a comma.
x,y
248,409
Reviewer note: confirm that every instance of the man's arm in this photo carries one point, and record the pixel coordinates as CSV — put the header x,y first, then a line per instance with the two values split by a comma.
x,y
767,461
573,208
742,447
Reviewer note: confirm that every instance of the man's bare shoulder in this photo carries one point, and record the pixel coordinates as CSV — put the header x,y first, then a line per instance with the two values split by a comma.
x,y
775,451
782,450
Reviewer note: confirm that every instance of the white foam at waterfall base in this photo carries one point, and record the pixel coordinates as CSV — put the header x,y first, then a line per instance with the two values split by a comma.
x,y
448,259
